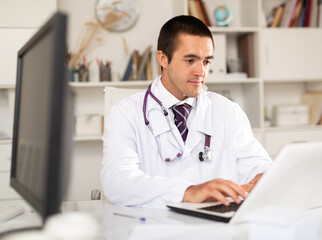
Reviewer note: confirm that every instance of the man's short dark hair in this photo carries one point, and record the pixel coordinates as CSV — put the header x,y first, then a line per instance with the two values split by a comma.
x,y
170,31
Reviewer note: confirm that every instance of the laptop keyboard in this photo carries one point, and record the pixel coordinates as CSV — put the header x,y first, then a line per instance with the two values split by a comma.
x,y
221,208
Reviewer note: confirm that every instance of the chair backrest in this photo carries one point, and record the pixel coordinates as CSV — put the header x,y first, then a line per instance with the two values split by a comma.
x,y
114,95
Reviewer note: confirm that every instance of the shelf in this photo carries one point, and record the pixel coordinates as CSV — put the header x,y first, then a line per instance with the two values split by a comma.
x,y
292,80
6,141
124,84
234,30
7,86
234,81
87,138
293,128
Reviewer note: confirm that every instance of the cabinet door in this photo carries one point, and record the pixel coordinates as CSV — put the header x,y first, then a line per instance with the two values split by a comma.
x,y
217,70
276,139
7,192
292,54
5,157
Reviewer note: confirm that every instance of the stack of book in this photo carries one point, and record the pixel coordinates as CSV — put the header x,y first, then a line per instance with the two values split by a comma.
x,y
296,13
141,66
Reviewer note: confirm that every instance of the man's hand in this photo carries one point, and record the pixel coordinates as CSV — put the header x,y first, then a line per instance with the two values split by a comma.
x,y
249,186
217,189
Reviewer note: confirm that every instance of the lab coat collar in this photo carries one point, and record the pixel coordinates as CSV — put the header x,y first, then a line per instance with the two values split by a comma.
x,y
167,99
202,121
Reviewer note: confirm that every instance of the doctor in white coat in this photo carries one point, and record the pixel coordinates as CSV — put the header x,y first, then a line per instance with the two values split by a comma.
x,y
148,163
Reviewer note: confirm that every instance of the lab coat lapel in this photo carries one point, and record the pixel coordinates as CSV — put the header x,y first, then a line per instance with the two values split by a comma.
x,y
201,124
204,115
160,125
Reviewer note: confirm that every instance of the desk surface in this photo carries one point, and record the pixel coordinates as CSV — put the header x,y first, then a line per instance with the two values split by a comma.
x,y
159,224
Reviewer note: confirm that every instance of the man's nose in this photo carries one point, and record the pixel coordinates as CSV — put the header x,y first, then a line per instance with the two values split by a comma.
x,y
200,69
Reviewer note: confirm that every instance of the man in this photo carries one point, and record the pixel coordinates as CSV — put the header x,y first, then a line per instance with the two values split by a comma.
x,y
150,161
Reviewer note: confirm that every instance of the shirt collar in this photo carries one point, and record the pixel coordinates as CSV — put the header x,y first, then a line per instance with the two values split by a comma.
x,y
168,100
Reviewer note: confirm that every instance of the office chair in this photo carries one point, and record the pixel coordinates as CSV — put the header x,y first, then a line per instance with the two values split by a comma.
x,y
112,95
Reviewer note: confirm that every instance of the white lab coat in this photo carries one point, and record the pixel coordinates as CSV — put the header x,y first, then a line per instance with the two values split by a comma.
x,y
133,172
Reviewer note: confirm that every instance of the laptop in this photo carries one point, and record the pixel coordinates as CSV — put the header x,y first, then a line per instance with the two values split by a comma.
x,y
293,181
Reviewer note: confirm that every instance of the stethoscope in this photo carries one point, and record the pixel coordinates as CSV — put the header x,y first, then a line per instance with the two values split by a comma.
x,y
203,156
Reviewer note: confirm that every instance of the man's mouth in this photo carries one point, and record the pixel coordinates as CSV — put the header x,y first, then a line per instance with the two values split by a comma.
x,y
198,81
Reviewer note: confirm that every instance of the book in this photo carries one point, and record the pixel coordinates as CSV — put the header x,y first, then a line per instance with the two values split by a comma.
x,y
245,44
205,11
149,68
307,14
297,11
269,18
300,22
143,63
314,13
136,59
288,10
320,14
196,10
128,70
277,16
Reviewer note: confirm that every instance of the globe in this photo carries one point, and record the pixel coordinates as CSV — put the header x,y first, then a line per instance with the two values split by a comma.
x,y
223,15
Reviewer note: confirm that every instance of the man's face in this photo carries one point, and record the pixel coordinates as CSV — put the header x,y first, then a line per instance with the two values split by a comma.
x,y
187,72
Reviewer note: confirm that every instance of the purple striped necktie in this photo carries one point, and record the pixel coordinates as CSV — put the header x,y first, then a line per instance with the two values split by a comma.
x,y
181,113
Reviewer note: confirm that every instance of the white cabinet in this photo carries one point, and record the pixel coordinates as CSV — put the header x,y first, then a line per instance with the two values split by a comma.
x,y
217,70
274,139
292,54
5,161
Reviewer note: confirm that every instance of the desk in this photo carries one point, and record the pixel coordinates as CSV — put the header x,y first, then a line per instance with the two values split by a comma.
x,y
159,224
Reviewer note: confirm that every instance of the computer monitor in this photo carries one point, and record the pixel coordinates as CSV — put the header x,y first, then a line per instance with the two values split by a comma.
x,y
42,130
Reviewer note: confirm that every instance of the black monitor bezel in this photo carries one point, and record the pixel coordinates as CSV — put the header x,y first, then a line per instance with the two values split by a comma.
x,y
53,192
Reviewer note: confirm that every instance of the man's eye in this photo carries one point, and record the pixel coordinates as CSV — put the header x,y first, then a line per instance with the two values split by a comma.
x,y
207,62
189,60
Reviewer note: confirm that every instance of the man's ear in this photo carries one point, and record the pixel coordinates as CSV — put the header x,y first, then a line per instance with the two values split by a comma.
x,y
162,59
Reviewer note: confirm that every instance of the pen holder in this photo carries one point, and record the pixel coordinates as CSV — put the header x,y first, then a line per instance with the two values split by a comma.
x,y
105,73
83,74
71,74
